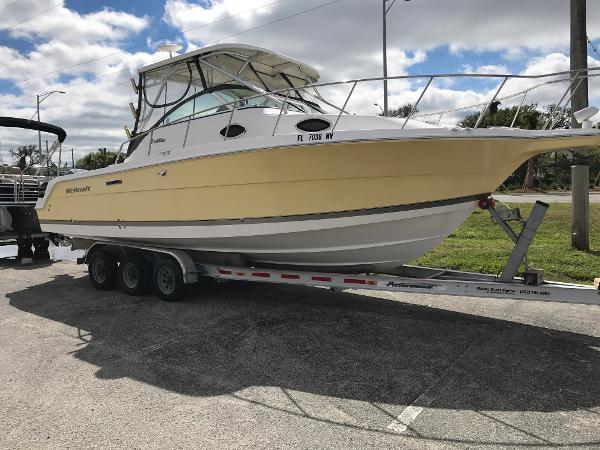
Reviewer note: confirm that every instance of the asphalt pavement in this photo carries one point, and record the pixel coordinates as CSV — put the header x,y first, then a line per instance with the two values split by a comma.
x,y
243,365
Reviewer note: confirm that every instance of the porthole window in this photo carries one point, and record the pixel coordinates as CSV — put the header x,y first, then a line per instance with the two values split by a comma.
x,y
234,130
313,125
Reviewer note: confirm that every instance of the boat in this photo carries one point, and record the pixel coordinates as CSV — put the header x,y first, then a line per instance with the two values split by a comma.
x,y
20,188
235,151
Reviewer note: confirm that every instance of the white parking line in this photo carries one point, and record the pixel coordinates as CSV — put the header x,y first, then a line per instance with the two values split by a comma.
x,y
411,412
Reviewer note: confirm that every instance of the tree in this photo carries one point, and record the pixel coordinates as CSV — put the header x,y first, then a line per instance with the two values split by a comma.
x,y
25,155
529,118
402,111
99,159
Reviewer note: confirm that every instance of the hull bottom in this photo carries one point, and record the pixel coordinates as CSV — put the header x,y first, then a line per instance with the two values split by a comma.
x,y
375,240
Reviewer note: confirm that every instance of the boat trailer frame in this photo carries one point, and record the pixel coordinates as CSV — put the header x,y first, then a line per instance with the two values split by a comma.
x,y
423,281
408,279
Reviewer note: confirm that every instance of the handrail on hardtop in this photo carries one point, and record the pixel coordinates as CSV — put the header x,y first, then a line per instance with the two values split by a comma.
x,y
573,76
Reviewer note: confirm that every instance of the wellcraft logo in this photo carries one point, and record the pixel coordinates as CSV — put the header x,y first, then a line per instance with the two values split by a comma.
x,y
75,190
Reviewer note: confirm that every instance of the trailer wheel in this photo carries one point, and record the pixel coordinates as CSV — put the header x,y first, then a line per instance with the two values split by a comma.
x,y
102,270
168,280
134,275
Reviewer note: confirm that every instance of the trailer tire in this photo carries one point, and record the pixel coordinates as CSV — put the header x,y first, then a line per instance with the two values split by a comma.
x,y
135,275
168,282
102,270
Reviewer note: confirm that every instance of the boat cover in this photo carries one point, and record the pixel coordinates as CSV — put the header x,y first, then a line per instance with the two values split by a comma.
x,y
15,122
265,68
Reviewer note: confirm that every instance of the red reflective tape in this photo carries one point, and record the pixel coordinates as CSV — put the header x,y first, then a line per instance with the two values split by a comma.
x,y
290,276
359,281
225,272
318,278
240,274
261,274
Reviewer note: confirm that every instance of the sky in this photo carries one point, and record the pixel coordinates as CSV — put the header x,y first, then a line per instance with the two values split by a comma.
x,y
91,48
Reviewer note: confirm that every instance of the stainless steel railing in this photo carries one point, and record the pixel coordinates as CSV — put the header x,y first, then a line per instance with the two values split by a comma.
x,y
573,79
20,189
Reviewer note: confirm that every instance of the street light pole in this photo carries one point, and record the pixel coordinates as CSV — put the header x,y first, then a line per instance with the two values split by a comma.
x,y
40,98
386,9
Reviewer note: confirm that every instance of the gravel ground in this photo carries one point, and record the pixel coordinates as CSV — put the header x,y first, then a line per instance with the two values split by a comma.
x,y
241,365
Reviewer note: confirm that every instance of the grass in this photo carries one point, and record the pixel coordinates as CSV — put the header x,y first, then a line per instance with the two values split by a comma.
x,y
481,246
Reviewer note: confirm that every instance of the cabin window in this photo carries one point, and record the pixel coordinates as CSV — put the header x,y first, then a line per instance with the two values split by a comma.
x,y
202,105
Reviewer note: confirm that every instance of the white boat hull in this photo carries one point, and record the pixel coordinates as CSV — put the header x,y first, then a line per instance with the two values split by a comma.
x,y
378,239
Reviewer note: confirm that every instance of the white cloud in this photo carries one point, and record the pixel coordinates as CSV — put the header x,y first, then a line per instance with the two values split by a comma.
x,y
91,112
342,40
68,26
492,69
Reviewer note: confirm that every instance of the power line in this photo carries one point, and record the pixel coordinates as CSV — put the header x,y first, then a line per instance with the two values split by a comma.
x,y
593,46
35,15
9,5
143,45
281,19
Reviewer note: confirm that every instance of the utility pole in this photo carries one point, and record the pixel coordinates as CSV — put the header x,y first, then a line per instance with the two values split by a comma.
x,y
72,159
386,9
580,170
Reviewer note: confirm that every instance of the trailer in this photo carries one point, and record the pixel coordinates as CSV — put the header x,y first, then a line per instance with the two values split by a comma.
x,y
136,268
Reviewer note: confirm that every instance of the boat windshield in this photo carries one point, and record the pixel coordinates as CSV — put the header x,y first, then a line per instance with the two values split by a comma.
x,y
223,98
201,85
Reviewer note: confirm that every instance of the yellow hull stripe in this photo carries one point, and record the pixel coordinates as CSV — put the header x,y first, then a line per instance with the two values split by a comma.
x,y
298,180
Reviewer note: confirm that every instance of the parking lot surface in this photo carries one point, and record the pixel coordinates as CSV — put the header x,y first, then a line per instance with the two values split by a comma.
x,y
242,365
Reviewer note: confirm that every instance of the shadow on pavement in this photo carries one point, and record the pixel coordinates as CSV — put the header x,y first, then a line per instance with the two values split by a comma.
x,y
232,336
12,263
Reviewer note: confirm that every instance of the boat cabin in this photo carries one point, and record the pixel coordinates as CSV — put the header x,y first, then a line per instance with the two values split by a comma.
x,y
216,79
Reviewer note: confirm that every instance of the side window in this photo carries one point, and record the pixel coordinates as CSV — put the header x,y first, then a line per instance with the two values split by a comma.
x,y
209,105
204,105
185,109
